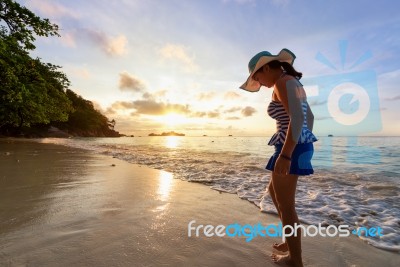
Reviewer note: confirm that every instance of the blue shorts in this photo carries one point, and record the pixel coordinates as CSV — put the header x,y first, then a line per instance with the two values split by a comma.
x,y
301,159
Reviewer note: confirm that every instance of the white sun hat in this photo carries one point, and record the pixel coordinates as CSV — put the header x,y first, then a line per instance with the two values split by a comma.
x,y
259,60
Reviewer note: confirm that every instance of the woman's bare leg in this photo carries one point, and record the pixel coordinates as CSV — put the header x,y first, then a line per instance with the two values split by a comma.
x,y
282,246
285,190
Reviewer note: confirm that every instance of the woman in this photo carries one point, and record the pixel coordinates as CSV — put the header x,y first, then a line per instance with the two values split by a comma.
x,y
293,140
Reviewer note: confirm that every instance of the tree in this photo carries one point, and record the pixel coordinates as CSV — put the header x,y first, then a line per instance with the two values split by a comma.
x,y
22,24
31,91
111,124
85,120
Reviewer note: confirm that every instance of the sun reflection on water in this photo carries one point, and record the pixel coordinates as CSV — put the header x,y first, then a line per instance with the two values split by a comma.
x,y
172,141
165,185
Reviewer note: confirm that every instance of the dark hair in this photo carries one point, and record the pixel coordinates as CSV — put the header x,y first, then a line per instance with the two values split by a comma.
x,y
287,67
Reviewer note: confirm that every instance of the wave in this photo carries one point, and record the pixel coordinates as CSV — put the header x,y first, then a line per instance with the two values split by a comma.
x,y
330,196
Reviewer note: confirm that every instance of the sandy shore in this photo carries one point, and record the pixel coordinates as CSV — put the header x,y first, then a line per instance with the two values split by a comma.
x,y
68,207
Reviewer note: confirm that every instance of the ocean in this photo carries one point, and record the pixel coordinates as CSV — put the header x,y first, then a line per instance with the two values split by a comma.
x,y
355,181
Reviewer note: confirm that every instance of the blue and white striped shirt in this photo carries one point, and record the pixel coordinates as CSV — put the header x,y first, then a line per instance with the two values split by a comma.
x,y
277,111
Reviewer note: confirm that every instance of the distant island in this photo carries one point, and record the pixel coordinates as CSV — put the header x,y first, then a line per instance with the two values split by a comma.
x,y
172,133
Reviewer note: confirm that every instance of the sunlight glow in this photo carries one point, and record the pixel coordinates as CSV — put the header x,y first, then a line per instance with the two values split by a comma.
x,y
172,141
173,119
165,184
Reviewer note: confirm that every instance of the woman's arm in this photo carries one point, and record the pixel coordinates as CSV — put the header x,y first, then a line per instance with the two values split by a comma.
x,y
310,118
291,99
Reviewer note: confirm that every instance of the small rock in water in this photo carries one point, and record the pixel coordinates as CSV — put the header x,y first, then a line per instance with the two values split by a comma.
x,y
7,153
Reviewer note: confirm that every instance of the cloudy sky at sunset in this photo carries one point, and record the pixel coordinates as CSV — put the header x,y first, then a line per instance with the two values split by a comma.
x,y
162,65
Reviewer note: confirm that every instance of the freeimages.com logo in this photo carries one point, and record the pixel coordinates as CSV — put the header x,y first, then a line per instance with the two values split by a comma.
x,y
347,102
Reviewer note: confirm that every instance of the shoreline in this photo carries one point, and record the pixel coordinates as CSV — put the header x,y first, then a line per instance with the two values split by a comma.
x,y
64,206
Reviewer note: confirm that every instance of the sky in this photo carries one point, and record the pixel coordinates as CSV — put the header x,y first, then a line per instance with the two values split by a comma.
x,y
163,65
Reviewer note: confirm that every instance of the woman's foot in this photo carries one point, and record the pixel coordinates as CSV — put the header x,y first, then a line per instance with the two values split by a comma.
x,y
282,247
282,259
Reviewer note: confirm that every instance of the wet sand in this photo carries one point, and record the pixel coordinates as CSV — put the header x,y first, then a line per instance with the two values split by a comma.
x,y
62,206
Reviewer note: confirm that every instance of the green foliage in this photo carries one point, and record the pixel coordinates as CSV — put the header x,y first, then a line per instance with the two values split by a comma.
x,y
84,117
30,91
33,92
22,24
85,120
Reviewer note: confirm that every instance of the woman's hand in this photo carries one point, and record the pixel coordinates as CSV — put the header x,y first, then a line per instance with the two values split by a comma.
x,y
282,166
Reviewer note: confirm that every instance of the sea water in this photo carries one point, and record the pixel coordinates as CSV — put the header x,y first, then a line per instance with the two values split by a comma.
x,y
355,181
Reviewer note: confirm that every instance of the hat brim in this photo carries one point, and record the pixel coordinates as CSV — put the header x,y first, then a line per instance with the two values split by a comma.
x,y
285,55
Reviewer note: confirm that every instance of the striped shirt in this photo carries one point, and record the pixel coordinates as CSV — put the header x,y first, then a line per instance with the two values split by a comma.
x,y
278,112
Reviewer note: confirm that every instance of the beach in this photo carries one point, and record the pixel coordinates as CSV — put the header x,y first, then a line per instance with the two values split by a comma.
x,y
64,206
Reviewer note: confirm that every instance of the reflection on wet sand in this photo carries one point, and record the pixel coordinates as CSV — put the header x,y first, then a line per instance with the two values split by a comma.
x,y
57,202
67,207
46,200
27,192
166,181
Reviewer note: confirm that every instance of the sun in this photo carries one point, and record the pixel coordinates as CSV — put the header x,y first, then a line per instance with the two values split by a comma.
x,y
173,119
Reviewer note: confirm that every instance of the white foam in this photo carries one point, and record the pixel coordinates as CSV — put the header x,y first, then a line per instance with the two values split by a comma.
x,y
332,196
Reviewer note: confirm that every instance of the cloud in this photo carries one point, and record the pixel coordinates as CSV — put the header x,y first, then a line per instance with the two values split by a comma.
x,y
180,54
233,109
97,106
119,106
232,95
213,114
147,96
155,95
68,39
248,111
123,105
206,96
206,114
149,105
152,107
79,72
393,98
160,93
199,114
51,9
128,82
117,45
232,118
112,46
